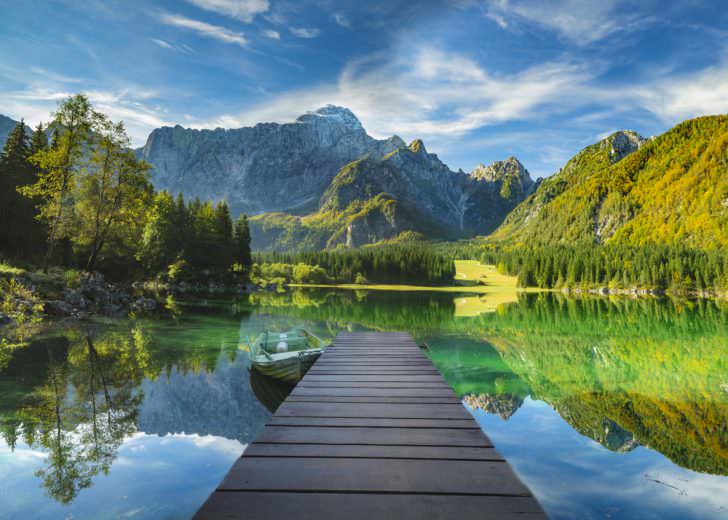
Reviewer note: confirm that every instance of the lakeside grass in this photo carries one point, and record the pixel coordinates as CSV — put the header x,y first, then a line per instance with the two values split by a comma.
x,y
481,286
472,271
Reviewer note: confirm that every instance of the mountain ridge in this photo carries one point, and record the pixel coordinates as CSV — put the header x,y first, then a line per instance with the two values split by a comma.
x,y
671,189
253,168
408,191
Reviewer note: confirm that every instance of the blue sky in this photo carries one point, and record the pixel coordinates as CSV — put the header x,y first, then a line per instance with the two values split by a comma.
x,y
477,80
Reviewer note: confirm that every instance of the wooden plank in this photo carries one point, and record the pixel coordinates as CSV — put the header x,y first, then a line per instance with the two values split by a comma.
x,y
437,378
373,392
375,436
373,475
387,370
359,384
402,411
372,363
372,399
372,431
371,452
401,372
352,422
352,506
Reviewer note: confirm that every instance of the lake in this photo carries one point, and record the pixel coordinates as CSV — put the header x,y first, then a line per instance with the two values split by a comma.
x,y
604,408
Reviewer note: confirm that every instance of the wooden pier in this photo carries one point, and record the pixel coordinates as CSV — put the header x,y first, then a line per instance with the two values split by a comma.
x,y
372,431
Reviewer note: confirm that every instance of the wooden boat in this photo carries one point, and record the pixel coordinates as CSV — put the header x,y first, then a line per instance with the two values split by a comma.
x,y
269,391
285,355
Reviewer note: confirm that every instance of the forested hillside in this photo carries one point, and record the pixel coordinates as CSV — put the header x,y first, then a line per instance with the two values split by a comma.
x,y
670,190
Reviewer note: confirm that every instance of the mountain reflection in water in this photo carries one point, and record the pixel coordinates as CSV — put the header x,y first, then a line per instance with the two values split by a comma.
x,y
161,408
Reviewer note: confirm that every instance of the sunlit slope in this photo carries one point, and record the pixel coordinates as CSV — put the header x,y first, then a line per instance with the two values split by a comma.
x,y
672,190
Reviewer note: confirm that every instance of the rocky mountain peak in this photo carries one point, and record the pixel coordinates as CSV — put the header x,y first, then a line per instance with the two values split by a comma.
x,y
332,114
622,143
418,147
6,126
499,170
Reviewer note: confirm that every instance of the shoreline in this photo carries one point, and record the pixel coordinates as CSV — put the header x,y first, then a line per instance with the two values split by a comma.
x,y
469,289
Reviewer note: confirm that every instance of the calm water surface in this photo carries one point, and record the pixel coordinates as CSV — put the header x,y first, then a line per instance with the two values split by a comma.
x,y
605,409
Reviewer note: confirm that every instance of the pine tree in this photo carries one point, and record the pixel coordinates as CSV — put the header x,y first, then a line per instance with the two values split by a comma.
x,y
223,237
16,214
243,255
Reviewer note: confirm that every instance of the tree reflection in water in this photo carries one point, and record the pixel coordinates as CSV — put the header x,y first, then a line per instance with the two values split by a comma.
x,y
84,409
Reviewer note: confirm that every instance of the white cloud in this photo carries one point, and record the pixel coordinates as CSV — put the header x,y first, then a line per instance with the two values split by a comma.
x,y
432,94
305,32
342,20
581,21
127,105
243,10
54,76
497,18
162,44
205,29
702,93
270,33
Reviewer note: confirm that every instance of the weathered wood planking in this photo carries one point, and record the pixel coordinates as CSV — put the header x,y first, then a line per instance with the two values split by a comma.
x,y
372,431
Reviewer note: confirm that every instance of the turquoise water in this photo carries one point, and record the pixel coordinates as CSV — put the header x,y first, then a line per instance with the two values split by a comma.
x,y
606,409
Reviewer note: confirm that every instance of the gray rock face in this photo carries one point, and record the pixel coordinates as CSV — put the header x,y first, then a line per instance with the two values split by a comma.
x,y
623,143
430,198
268,167
511,176
6,125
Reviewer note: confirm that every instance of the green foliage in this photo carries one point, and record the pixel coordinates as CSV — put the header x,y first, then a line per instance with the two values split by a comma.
x,y
415,263
111,199
199,234
676,270
177,270
74,121
21,235
672,191
243,255
20,302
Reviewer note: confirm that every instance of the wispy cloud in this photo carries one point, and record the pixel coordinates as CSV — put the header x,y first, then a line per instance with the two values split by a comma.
x,y
342,20
204,29
305,32
580,21
270,33
54,76
433,94
243,10
696,94
162,44
177,47
130,105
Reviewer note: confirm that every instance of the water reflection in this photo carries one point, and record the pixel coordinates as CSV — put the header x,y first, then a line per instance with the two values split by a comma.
x,y
161,408
622,372
269,391
83,410
75,396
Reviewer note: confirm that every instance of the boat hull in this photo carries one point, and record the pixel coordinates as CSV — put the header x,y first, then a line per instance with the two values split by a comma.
x,y
290,369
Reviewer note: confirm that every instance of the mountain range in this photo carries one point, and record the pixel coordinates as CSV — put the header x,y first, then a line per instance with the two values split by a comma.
x,y
322,181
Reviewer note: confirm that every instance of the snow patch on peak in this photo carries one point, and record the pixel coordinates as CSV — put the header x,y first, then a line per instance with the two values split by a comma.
x,y
333,114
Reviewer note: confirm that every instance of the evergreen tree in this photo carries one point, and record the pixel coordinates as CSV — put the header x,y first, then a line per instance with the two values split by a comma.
x,y
21,235
243,255
14,170
223,235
